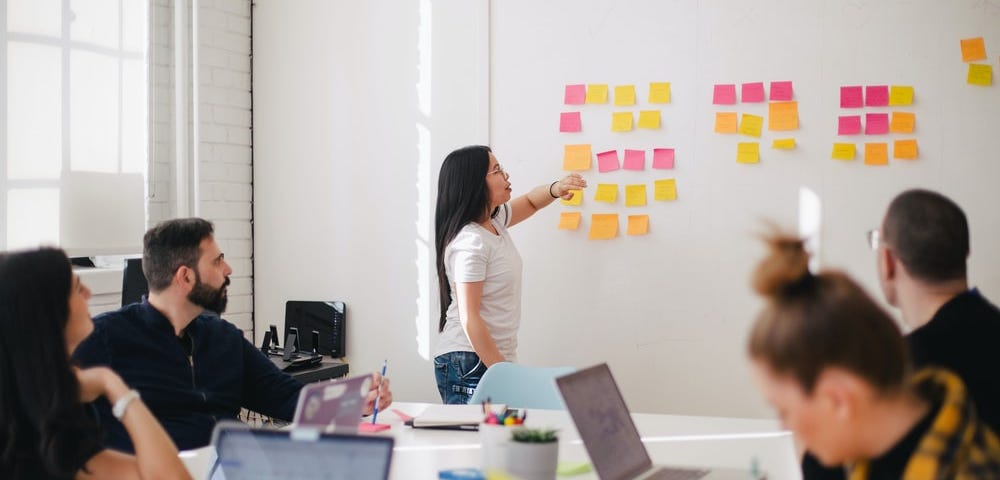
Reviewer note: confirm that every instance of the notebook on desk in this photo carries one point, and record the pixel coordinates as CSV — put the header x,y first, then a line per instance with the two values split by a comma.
x,y
596,405
245,453
451,417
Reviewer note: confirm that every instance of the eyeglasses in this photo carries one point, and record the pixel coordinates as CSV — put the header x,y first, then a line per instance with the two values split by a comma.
x,y
874,238
498,170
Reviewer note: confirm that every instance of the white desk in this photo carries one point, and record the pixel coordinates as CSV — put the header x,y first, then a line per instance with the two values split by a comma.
x,y
670,439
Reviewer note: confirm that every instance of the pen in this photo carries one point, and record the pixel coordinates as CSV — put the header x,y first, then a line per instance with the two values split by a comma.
x,y
378,395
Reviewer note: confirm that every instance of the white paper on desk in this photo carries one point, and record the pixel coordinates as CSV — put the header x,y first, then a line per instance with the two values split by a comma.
x,y
452,415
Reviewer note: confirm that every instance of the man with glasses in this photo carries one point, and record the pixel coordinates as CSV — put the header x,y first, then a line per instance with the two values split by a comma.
x,y
922,249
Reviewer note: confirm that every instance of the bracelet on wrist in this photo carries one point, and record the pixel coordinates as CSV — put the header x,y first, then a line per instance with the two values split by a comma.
x,y
121,405
550,189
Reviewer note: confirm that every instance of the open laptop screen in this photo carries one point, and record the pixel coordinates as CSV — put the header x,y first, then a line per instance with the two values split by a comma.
x,y
259,454
606,428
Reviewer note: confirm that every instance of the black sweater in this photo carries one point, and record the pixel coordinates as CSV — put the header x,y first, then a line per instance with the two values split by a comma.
x,y
187,395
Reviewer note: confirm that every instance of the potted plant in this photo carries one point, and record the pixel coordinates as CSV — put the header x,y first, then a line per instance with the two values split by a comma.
x,y
533,453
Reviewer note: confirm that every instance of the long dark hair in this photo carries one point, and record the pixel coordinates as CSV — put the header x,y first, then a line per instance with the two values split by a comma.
x,y
462,198
44,429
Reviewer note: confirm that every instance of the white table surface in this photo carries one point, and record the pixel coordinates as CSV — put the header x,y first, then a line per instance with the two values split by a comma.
x,y
679,440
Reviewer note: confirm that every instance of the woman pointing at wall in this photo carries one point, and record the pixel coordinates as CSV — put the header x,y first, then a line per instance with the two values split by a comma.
x,y
478,267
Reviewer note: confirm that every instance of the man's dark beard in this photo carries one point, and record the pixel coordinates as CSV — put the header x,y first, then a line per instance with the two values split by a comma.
x,y
207,297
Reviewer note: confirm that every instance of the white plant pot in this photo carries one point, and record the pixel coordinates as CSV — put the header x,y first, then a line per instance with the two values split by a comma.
x,y
532,461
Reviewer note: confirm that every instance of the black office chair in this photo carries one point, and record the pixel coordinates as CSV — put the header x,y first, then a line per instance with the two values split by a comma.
x,y
133,282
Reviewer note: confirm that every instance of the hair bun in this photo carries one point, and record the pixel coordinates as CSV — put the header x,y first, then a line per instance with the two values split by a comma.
x,y
786,265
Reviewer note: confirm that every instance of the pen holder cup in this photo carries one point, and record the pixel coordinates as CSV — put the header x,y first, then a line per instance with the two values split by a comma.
x,y
493,441
532,461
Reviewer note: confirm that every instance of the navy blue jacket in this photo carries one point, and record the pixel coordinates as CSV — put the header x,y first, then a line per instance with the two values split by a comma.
x,y
187,395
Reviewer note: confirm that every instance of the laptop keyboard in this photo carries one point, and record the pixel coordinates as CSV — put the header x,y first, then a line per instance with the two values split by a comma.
x,y
677,474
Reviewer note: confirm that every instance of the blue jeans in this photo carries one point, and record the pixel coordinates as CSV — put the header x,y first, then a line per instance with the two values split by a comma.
x,y
458,375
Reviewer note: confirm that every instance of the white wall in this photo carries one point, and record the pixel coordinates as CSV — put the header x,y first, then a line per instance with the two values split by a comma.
x,y
347,158
354,110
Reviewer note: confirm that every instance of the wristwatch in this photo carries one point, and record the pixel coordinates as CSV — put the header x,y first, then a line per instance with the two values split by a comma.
x,y
118,410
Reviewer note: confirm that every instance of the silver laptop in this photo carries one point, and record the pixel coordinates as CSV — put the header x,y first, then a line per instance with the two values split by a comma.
x,y
335,406
612,441
245,453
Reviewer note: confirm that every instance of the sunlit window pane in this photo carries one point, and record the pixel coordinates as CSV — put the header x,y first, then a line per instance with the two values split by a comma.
x,y
93,112
41,17
32,217
134,121
34,113
95,21
134,19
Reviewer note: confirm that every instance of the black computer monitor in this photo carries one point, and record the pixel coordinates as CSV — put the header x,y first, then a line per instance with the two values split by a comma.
x,y
327,318
133,282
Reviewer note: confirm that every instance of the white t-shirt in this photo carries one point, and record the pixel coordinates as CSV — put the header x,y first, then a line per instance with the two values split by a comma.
x,y
477,255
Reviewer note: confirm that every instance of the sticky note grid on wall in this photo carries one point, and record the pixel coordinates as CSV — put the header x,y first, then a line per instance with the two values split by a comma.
x,y
872,111
778,107
633,109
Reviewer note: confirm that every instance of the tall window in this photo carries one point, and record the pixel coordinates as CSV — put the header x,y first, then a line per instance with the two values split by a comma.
x,y
73,100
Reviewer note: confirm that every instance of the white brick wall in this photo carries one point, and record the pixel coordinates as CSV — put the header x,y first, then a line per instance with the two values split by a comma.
x,y
224,150
225,189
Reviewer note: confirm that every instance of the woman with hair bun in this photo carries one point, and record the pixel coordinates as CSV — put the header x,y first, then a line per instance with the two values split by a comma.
x,y
835,367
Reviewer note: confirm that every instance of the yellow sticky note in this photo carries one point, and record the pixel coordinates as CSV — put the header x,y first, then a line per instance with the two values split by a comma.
x,y
902,122
603,226
569,220
621,121
665,189
904,149
783,143
876,154
900,95
649,119
973,49
748,152
576,200
980,74
624,95
659,92
751,124
725,122
638,224
843,151
635,195
606,192
782,116
597,93
576,157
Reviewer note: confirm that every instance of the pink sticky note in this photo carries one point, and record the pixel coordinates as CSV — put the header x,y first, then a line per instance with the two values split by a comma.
x,y
635,160
369,427
569,122
849,125
852,97
663,158
752,92
607,161
575,94
877,95
876,123
724,94
781,91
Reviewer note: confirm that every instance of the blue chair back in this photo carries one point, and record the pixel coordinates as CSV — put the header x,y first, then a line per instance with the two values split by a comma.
x,y
521,386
